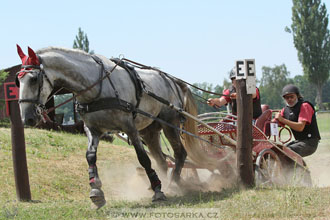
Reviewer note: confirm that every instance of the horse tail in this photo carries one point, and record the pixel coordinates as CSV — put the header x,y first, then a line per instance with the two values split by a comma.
x,y
192,145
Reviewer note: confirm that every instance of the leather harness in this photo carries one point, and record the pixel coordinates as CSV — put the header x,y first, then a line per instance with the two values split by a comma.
x,y
114,102
111,102
119,104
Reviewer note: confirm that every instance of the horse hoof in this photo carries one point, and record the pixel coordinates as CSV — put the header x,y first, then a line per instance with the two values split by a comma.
x,y
159,196
97,197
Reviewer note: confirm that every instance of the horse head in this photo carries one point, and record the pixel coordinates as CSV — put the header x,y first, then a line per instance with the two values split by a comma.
x,y
34,85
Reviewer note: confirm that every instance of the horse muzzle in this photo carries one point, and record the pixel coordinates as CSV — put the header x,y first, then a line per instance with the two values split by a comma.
x,y
29,115
30,119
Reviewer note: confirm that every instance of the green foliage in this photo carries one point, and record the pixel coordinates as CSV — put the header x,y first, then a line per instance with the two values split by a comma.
x,y
305,88
326,92
273,80
81,42
66,109
326,105
271,84
309,91
311,38
5,123
3,76
201,97
323,122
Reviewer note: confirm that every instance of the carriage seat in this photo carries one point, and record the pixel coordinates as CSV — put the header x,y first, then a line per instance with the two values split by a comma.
x,y
263,121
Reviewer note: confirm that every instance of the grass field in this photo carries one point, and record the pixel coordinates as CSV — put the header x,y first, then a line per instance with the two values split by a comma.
x,y
59,185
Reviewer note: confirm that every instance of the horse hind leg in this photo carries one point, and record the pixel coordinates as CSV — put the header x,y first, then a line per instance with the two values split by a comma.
x,y
145,162
180,153
151,137
96,194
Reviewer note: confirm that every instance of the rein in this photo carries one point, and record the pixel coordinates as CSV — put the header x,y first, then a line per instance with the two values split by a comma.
x,y
108,73
142,66
107,103
41,109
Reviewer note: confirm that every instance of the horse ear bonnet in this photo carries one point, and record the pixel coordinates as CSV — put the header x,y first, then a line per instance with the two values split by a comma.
x,y
20,52
33,56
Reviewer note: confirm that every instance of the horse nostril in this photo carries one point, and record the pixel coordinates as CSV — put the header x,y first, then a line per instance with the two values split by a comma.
x,y
30,122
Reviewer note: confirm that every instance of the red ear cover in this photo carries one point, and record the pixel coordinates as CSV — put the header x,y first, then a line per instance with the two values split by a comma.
x,y
33,56
20,53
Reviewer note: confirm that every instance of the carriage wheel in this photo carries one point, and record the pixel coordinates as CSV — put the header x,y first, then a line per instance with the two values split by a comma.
x,y
268,169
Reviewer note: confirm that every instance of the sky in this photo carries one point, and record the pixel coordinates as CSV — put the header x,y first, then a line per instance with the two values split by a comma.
x,y
195,40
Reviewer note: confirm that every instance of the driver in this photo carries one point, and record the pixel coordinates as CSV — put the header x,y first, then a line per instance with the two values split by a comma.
x,y
229,96
299,115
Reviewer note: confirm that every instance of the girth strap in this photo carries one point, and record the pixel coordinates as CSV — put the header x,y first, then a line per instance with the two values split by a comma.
x,y
104,104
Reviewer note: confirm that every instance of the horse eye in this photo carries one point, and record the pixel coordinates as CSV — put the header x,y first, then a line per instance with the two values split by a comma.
x,y
34,78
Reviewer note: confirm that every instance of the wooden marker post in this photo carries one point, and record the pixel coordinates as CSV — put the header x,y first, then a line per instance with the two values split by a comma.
x,y
245,76
18,143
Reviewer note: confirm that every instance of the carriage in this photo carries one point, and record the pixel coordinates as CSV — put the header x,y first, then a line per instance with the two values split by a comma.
x,y
273,162
141,101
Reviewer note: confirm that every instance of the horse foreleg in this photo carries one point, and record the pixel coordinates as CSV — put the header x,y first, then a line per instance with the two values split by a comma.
x,y
145,162
96,194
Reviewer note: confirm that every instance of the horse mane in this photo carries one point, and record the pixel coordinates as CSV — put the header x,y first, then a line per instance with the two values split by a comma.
x,y
62,50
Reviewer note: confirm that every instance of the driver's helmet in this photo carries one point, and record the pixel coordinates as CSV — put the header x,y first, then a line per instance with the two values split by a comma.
x,y
232,73
289,89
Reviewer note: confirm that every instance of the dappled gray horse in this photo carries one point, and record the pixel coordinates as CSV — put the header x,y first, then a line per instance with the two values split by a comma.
x,y
107,105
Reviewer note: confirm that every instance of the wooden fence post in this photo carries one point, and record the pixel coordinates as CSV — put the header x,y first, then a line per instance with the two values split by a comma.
x,y
244,128
18,143
19,155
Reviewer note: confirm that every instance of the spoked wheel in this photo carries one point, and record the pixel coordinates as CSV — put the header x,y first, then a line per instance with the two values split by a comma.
x,y
268,169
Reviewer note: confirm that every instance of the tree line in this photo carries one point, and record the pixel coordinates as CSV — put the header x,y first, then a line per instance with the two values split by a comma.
x,y
270,85
311,37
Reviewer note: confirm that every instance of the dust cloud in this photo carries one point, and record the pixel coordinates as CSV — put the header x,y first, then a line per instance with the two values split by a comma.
x,y
319,164
128,181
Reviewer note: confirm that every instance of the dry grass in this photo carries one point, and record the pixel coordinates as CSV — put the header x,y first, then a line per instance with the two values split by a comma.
x,y
59,185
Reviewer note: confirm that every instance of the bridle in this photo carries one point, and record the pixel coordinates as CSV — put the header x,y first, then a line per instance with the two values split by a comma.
x,y
38,71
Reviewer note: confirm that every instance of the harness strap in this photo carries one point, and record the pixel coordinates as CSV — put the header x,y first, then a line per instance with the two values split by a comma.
x,y
108,73
175,127
31,66
104,104
158,98
136,79
99,61
119,104
175,85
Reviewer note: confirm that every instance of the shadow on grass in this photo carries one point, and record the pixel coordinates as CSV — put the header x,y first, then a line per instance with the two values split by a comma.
x,y
191,198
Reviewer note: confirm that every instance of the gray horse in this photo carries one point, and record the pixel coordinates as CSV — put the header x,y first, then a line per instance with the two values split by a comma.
x,y
109,105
